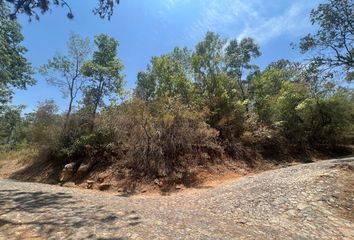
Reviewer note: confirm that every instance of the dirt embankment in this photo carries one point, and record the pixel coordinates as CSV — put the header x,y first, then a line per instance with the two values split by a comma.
x,y
115,177
306,201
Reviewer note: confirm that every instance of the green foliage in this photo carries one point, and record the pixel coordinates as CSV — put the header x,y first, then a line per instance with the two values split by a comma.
x,y
46,125
207,62
12,126
15,70
104,72
92,146
304,103
166,76
219,82
327,120
266,86
290,96
31,7
153,139
210,77
158,137
188,106
64,71
334,39
238,62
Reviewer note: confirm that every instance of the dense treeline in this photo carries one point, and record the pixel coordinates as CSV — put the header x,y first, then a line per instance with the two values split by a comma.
x,y
189,107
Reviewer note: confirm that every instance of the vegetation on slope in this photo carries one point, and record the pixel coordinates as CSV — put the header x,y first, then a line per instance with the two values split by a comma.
x,y
190,108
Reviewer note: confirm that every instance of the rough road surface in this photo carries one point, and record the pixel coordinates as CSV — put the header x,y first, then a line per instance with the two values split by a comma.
x,y
311,201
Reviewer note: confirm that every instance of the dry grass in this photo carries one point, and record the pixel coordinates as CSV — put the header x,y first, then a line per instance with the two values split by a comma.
x,y
20,155
13,160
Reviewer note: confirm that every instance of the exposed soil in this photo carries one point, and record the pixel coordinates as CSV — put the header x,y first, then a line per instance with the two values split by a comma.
x,y
116,178
306,201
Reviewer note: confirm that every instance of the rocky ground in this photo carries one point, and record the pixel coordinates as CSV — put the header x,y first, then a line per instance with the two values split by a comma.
x,y
309,201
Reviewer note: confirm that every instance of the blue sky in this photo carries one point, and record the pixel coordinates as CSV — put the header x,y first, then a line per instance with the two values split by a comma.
x,y
149,28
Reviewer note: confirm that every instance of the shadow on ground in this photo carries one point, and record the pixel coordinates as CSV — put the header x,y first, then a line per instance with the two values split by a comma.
x,y
47,214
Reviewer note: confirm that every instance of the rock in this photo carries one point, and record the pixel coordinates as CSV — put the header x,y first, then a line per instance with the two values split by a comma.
x,y
104,186
67,172
89,184
83,170
69,166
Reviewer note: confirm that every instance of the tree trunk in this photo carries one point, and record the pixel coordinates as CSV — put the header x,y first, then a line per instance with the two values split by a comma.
x,y
68,113
96,103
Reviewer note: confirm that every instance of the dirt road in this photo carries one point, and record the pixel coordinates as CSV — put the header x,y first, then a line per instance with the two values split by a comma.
x,y
310,201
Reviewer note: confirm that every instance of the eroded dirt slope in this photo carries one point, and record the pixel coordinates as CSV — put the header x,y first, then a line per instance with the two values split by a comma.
x,y
309,201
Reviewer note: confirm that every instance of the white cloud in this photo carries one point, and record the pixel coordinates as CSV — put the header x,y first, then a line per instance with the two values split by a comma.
x,y
221,16
171,4
262,20
293,21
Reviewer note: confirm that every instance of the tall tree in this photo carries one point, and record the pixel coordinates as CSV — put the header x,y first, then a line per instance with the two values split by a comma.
x,y
208,64
238,62
266,86
145,86
15,70
32,7
334,40
104,72
166,76
70,79
214,87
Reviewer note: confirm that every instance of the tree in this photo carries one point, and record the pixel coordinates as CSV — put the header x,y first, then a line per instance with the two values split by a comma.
x,y
334,41
11,125
327,120
32,7
46,125
70,79
215,89
303,102
15,70
266,86
145,86
104,73
166,76
207,62
238,58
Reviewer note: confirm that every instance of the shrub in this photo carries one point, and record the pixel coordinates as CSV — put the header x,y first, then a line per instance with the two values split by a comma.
x,y
232,123
327,120
159,137
46,126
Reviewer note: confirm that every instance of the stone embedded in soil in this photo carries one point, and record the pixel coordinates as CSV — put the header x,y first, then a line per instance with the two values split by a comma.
x,y
89,184
104,186
83,170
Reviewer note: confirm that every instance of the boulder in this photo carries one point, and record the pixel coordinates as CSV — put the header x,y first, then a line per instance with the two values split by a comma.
x,y
67,172
69,166
83,170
